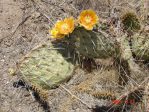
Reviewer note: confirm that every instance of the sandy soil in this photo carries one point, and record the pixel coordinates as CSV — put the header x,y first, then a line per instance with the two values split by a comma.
x,y
15,41
23,25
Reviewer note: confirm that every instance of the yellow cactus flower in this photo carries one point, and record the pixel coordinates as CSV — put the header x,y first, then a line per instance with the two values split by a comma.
x,y
62,28
87,19
65,26
55,33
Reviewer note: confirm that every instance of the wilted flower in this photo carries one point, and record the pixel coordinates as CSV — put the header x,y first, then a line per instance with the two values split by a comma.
x,y
88,19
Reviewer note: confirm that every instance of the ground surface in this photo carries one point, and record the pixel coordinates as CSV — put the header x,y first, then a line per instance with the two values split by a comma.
x,y
23,25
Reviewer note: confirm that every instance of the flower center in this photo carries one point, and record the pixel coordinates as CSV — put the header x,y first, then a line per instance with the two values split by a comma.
x,y
65,26
88,19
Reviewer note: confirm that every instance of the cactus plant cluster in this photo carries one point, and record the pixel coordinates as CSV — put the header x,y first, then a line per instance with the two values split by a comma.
x,y
48,65
93,44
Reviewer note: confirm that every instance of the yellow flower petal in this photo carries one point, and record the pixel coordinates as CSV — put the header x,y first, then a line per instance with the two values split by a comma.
x,y
88,19
65,26
55,34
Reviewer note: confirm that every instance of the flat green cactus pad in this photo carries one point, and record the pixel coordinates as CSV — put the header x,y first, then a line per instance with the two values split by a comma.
x,y
140,46
92,44
45,67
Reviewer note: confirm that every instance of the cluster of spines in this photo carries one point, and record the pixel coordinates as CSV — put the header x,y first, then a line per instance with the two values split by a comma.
x,y
33,88
42,93
105,95
130,21
41,96
38,93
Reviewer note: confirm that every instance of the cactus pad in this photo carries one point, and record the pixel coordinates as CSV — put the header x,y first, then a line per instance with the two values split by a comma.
x,y
45,67
140,46
92,44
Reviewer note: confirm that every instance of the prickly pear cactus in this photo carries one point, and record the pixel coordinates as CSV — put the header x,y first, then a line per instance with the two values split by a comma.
x,y
96,45
45,67
92,44
140,46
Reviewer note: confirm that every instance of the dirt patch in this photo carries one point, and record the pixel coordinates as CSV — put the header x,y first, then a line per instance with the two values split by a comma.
x,y
21,28
24,25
